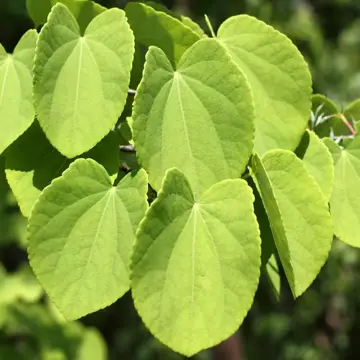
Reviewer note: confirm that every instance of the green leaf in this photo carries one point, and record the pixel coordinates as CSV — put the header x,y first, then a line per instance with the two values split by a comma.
x,y
279,79
273,276
324,105
81,232
32,163
81,82
198,118
327,114
345,197
267,239
195,264
38,10
352,111
83,10
193,25
184,19
20,285
157,28
298,215
16,108
93,346
317,161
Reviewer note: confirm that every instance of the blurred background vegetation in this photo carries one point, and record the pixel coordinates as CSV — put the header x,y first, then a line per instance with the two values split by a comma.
x,y
324,323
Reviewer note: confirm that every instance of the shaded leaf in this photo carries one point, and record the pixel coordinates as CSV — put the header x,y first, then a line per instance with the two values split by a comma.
x,y
152,27
32,163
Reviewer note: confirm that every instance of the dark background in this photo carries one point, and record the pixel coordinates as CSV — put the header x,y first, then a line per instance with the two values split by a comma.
x,y
324,323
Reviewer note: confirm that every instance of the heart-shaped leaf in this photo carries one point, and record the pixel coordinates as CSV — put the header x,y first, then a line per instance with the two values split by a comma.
x,y
196,263
81,82
200,114
81,232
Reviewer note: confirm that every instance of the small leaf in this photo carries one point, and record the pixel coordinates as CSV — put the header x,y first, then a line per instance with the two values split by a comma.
x,y
198,118
326,114
159,29
32,163
81,82
345,198
196,263
278,76
16,108
81,232
317,161
298,215
352,111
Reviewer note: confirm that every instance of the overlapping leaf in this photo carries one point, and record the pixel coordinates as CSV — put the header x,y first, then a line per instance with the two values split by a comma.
x,y
317,161
81,82
32,163
278,76
81,232
198,118
152,27
16,108
83,10
345,198
196,262
298,215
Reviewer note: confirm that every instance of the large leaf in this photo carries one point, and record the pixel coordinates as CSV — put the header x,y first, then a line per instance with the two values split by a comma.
x,y
298,215
83,10
317,161
16,108
152,27
81,82
279,79
196,261
345,198
198,118
32,163
81,232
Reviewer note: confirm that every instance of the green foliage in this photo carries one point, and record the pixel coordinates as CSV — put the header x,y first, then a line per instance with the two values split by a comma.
x,y
279,79
208,250
84,223
16,108
298,215
81,82
206,122
217,128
